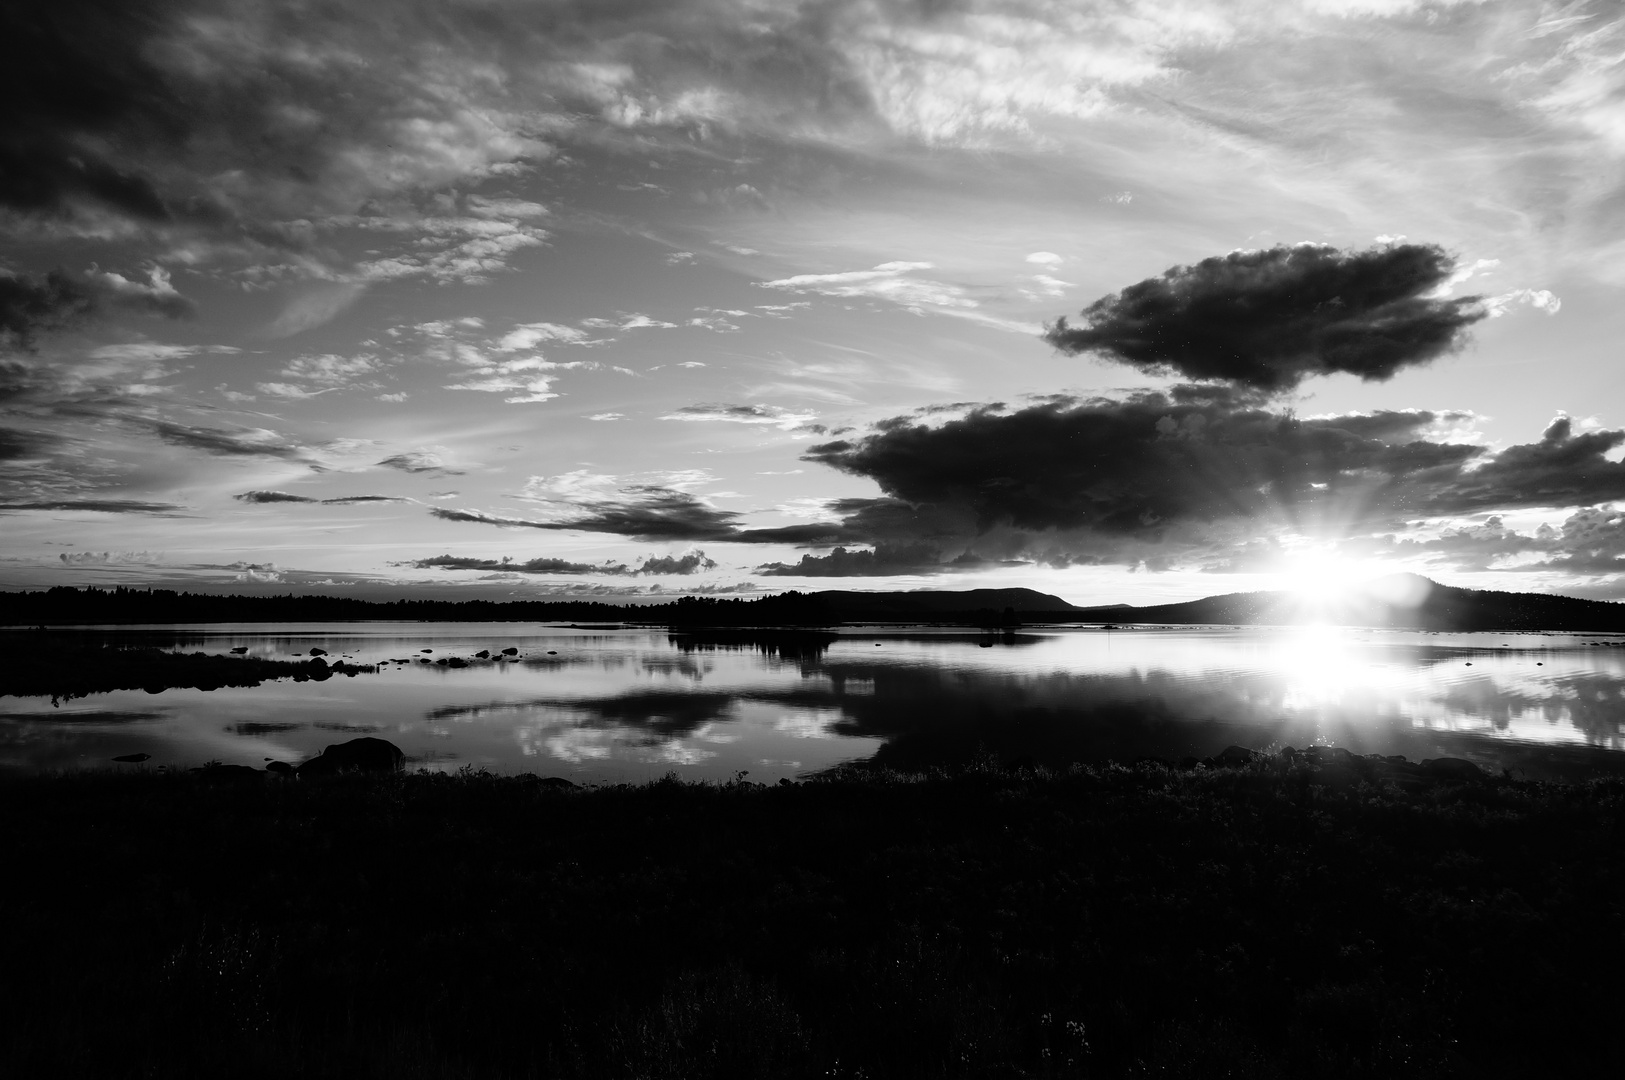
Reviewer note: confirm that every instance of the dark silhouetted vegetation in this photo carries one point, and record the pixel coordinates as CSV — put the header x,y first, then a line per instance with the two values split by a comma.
x,y
1282,918
984,607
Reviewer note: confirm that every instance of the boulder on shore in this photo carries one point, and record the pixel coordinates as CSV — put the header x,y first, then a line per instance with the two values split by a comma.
x,y
366,754
1233,756
1451,768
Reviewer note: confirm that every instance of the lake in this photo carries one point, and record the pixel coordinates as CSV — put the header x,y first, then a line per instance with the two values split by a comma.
x,y
609,705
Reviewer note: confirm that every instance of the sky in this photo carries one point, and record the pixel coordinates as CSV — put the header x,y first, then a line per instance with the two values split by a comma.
x,y
1121,300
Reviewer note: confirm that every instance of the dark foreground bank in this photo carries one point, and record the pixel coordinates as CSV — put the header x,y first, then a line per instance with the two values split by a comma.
x,y
1274,919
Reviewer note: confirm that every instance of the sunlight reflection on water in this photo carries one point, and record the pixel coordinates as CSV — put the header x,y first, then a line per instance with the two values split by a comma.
x,y
616,705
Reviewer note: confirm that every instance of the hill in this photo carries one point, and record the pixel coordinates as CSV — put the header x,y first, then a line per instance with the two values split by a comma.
x,y
1399,600
936,605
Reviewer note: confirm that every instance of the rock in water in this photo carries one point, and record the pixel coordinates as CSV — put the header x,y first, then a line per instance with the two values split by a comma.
x,y
361,755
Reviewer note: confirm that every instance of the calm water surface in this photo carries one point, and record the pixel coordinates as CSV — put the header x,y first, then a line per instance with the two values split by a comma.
x,y
612,705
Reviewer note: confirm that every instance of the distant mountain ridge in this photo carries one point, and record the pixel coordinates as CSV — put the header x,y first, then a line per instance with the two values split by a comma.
x,y
1400,600
847,604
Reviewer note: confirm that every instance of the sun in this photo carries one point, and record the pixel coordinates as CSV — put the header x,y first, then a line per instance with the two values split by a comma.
x,y
1324,585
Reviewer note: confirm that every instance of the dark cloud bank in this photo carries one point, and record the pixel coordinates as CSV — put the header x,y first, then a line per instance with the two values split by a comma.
x,y
31,305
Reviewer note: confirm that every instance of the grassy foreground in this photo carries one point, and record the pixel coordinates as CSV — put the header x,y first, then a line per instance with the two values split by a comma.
x,y
1106,922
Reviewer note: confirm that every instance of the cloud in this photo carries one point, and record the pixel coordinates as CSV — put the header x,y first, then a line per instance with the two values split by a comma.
x,y
530,335
582,502
420,461
100,506
888,281
288,391
1539,299
316,305
772,415
343,500
166,115
883,561
1185,476
16,444
31,305
1563,469
519,390
508,565
248,442
1272,317
506,208
151,351
630,322
1589,542
110,558
272,497
690,562
448,249
647,512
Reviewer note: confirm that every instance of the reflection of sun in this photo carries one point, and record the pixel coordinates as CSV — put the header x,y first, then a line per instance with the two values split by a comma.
x,y
1320,664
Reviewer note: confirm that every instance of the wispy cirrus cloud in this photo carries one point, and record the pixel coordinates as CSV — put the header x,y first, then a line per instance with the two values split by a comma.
x,y
767,415
240,442
890,281
429,462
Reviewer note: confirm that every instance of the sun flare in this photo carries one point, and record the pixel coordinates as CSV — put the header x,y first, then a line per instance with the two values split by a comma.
x,y
1320,577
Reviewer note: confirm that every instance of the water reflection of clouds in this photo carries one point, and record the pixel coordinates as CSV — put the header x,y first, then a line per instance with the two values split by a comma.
x,y
649,728
809,723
